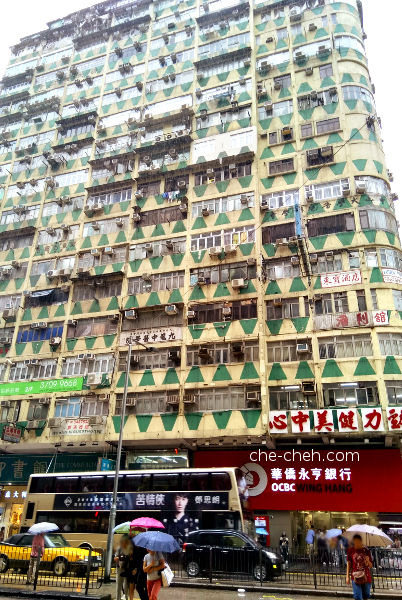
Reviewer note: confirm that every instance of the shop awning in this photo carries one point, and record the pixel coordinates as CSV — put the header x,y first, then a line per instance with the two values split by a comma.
x,y
261,531
40,293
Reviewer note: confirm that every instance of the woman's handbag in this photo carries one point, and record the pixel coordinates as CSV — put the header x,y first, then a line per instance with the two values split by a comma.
x,y
167,576
359,577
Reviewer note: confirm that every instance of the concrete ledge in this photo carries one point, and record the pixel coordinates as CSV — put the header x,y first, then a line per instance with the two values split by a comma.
x,y
51,595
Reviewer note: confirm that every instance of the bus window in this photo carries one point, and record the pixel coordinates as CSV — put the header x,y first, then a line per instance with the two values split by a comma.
x,y
220,481
165,481
67,485
41,485
94,483
136,483
30,510
109,483
194,482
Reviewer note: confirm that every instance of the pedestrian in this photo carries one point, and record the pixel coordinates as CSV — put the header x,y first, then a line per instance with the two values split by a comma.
x,y
154,563
38,547
284,547
310,540
138,559
359,563
322,548
2,534
130,571
122,552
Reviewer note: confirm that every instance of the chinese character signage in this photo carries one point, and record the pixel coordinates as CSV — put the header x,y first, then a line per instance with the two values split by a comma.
x,y
39,387
367,318
300,477
106,464
77,427
163,501
11,434
17,469
380,317
341,278
329,420
13,495
392,276
151,336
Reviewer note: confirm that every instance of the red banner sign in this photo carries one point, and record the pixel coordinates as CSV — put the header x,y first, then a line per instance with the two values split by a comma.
x,y
306,479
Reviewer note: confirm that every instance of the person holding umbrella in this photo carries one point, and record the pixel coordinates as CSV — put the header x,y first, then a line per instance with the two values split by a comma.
x,y
38,546
155,542
359,563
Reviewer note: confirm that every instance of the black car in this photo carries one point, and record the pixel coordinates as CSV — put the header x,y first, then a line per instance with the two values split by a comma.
x,y
228,551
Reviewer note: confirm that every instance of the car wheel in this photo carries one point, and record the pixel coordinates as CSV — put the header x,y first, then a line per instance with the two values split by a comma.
x,y
193,568
4,563
260,572
60,567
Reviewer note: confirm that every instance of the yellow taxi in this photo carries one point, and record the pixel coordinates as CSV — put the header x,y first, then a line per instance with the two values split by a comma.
x,y
59,557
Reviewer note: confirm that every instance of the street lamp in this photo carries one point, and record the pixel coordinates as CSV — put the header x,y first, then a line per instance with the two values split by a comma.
x,y
113,508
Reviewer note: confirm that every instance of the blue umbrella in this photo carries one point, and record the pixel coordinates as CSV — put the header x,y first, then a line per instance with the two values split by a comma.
x,y
333,533
156,540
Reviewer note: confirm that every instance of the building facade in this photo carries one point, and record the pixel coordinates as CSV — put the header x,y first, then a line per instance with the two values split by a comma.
x,y
206,182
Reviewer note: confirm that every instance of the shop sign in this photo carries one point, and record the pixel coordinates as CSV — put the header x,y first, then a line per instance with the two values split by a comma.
x,y
13,494
106,464
77,427
39,387
367,318
16,469
151,336
11,433
328,420
392,276
141,501
302,478
341,278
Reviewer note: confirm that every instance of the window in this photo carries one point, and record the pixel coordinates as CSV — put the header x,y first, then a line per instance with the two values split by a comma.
x,y
57,235
117,255
281,166
223,273
285,81
286,308
159,282
92,327
230,398
306,130
397,294
282,33
378,219
72,178
296,29
222,205
160,248
371,258
27,334
390,344
281,398
333,224
10,414
346,41
328,125
394,391
284,351
223,173
46,298
319,156
41,370
281,268
37,410
222,353
390,258
273,137
149,402
374,299
327,262
319,99
276,232
9,302
361,300
374,185
326,71
210,313
109,226
281,199
111,197
345,346
102,363
355,92
328,304
354,259
214,239
162,215
158,359
364,394
148,319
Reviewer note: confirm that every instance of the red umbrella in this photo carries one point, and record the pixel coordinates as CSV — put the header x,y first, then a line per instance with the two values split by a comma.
x,y
146,522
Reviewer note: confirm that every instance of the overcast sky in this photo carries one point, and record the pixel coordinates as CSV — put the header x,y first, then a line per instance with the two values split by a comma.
x,y
384,48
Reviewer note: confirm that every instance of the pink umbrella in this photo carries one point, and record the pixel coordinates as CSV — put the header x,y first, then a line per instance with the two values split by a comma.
x,y
146,522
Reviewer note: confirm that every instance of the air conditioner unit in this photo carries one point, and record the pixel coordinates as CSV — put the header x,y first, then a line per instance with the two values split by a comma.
x,y
308,388
252,396
9,314
281,242
238,284
309,71
277,85
7,270
52,274
312,27
226,311
251,261
108,250
294,260
39,325
309,194
95,252
65,228
131,314
54,423
329,255
183,208
182,184
50,230
136,217
264,66
277,302
171,309
95,225
72,322
326,151
96,419
203,352
64,272
5,340
55,341
361,187
191,314
146,277
83,270
268,106
345,189
173,400
32,425
215,251
230,249
169,244
302,349
45,401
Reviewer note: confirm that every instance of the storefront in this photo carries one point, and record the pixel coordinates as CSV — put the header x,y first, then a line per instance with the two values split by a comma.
x,y
11,504
327,488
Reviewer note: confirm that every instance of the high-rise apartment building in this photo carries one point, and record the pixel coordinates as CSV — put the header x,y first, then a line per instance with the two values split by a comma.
x,y
204,181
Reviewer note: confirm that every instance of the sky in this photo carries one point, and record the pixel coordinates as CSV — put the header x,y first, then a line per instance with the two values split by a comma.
x,y
383,45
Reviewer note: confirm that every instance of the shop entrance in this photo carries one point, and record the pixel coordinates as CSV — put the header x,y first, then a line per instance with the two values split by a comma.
x,y
303,519
15,519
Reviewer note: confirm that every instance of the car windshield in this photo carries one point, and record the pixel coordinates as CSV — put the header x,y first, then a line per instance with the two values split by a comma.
x,y
56,540
252,540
